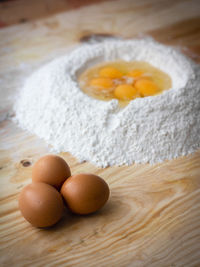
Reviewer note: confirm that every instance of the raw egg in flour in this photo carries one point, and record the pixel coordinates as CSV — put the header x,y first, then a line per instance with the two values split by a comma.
x,y
51,169
85,193
41,204
124,81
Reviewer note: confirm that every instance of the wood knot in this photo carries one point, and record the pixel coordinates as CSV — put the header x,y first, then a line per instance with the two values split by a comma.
x,y
25,162
91,37
23,20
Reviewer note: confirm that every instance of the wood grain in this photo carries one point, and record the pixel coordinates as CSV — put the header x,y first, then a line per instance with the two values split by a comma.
x,y
153,215
21,11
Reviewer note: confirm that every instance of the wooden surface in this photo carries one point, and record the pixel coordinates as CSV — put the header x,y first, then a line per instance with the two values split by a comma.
x,y
153,215
21,11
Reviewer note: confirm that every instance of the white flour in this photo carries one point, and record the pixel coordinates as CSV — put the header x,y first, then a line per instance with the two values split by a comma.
x,y
150,129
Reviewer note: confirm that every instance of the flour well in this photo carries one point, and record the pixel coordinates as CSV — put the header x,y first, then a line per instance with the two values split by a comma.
x,y
151,129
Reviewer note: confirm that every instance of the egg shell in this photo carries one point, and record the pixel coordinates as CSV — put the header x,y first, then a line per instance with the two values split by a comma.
x,y
85,193
41,204
51,169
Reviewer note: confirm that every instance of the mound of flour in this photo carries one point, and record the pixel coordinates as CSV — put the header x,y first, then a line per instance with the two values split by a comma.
x,y
151,129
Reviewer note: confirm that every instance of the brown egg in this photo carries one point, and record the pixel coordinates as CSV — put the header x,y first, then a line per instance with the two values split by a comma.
x,y
85,193
51,169
41,204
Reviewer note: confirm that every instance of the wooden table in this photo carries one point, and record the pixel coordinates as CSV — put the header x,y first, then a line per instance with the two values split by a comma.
x,y
153,216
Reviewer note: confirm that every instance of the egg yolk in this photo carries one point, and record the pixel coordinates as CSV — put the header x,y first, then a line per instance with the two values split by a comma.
x,y
124,81
125,92
110,72
146,87
135,73
102,83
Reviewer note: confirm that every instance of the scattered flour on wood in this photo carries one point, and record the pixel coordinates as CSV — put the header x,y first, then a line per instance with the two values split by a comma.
x,y
151,129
